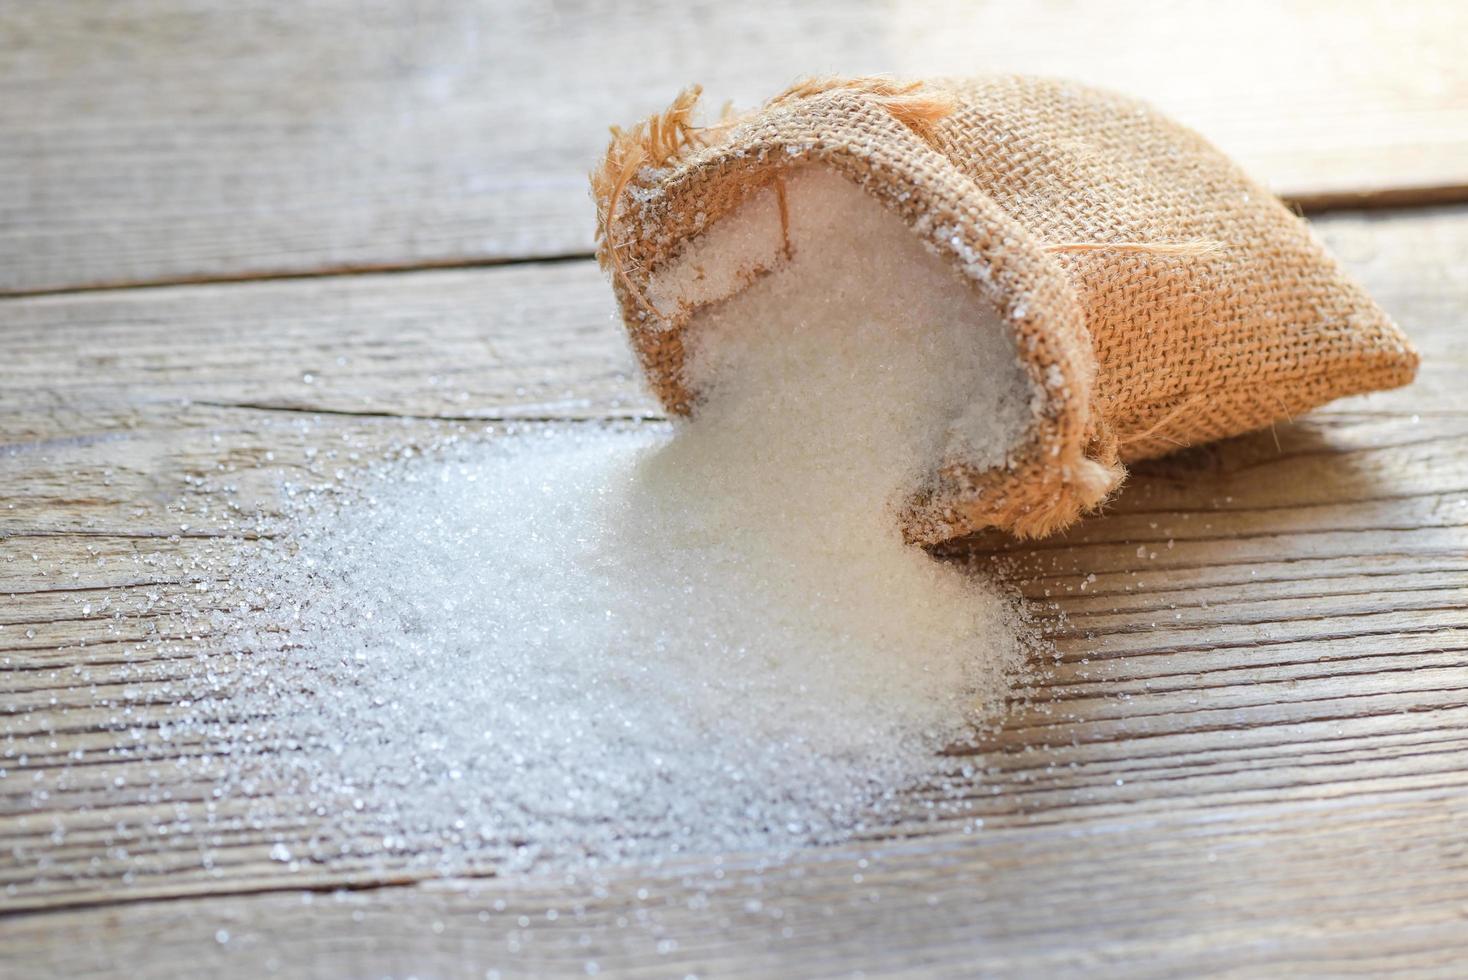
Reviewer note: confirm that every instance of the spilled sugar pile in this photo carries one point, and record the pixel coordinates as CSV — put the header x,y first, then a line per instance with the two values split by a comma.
x,y
587,644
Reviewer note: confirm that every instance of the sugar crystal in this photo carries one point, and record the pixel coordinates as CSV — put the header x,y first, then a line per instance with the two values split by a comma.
x,y
578,644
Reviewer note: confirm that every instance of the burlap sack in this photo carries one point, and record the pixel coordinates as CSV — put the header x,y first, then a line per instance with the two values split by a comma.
x,y
1159,297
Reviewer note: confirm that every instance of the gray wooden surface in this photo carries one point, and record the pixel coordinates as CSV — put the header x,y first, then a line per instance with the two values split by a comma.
x,y
1249,758
162,140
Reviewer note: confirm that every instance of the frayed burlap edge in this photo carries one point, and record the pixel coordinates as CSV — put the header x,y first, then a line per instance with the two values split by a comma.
x,y
665,180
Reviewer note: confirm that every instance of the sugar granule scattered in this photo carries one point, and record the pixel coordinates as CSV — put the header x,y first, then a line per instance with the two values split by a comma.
x,y
582,643
575,645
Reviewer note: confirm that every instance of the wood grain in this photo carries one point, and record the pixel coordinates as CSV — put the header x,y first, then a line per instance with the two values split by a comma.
x,y
1245,753
174,140
1297,888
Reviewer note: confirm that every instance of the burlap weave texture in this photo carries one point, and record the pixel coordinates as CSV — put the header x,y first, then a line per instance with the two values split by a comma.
x,y
1158,296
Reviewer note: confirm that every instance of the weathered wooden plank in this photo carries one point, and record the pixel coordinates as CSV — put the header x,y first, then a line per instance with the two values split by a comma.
x,y
1312,887
532,341
333,135
1245,750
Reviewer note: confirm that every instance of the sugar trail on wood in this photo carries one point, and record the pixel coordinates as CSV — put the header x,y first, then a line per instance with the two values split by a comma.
x,y
590,644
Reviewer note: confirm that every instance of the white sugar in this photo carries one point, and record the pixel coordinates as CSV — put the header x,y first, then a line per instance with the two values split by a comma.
x,y
572,645
589,644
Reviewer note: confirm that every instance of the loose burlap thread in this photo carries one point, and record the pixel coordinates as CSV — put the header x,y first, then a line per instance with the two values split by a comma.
x,y
1157,295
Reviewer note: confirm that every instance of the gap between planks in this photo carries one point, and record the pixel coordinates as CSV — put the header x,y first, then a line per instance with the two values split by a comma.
x,y
1305,205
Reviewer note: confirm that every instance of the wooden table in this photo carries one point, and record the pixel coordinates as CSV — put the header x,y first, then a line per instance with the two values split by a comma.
x,y
1250,755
